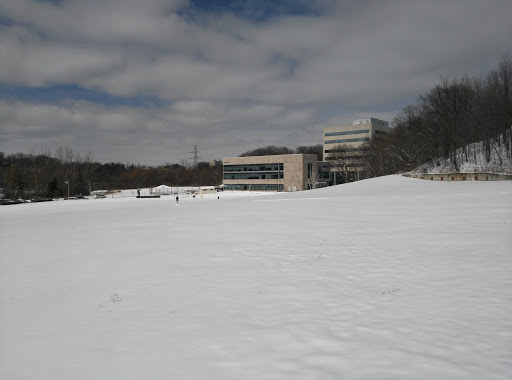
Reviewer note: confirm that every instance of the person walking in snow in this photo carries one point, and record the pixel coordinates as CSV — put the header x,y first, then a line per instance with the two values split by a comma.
x,y
177,199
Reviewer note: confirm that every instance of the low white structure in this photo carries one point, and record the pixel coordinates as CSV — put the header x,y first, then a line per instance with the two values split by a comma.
x,y
207,190
163,190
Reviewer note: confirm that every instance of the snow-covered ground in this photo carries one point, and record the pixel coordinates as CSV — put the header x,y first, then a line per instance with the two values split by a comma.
x,y
388,278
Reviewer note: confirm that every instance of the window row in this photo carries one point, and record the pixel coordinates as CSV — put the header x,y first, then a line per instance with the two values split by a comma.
x,y
347,132
255,187
278,175
347,150
344,158
345,140
254,168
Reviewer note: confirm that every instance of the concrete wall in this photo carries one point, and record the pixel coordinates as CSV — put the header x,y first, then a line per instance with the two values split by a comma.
x,y
462,177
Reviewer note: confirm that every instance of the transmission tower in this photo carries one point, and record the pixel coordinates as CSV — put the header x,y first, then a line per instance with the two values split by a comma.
x,y
195,156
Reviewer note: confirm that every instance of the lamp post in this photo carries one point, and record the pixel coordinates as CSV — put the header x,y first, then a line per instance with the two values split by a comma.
x,y
67,183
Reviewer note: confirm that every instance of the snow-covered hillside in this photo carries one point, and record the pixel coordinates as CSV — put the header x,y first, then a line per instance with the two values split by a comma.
x,y
388,278
471,159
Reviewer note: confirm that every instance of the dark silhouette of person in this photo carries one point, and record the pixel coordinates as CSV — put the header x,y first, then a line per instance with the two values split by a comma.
x,y
177,199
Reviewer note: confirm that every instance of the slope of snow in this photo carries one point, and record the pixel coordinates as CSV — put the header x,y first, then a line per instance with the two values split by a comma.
x,y
388,278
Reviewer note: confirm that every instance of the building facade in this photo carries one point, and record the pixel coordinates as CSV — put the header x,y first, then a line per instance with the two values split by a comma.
x,y
353,136
297,172
343,147
289,172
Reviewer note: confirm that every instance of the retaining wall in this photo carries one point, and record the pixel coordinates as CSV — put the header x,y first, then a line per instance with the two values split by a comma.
x,y
462,177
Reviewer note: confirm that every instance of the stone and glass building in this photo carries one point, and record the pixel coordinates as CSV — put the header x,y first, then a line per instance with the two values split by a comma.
x,y
296,172
354,135
289,172
351,139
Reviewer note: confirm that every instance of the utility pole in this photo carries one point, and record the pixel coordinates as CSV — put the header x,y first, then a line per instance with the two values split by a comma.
x,y
195,156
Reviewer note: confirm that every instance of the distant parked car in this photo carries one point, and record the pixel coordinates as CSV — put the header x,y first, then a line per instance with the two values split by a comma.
x,y
11,201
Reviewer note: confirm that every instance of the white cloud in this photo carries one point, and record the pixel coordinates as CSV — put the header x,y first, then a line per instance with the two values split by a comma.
x,y
230,80
99,20
159,134
30,60
128,48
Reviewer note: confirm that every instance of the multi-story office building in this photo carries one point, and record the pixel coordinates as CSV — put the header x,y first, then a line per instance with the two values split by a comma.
x,y
354,135
351,139
289,172
296,172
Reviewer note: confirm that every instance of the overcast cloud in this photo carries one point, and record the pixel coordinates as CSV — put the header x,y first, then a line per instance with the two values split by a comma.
x,y
145,81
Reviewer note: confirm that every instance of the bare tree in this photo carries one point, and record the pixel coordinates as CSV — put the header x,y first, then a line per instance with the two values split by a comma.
x,y
346,160
314,176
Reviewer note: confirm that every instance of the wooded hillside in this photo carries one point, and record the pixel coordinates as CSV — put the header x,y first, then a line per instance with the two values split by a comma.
x,y
445,121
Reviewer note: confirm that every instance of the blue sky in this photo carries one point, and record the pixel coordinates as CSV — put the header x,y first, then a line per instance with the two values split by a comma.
x,y
62,94
258,10
144,82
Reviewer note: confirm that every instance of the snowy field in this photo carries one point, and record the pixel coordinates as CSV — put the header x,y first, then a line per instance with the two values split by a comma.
x,y
389,278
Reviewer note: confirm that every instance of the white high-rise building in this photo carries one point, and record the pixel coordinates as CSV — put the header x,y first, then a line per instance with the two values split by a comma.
x,y
353,136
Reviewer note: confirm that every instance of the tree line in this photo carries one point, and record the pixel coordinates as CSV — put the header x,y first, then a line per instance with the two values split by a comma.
x,y
45,174
272,150
445,120
441,124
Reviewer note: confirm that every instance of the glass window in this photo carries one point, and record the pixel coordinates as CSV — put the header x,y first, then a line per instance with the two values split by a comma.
x,y
255,187
347,132
345,140
253,168
253,175
348,150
